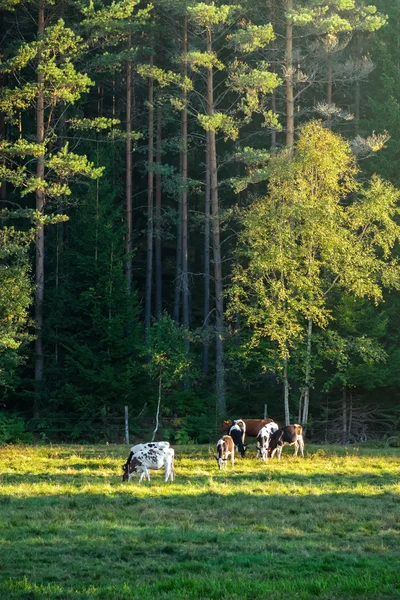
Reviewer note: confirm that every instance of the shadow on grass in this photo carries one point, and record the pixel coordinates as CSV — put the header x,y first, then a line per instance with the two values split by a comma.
x,y
239,546
230,476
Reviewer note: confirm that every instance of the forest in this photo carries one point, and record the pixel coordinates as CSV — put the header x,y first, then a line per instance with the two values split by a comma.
x,y
199,217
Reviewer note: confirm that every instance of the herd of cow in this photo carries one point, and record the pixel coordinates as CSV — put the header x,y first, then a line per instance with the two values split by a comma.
x,y
270,441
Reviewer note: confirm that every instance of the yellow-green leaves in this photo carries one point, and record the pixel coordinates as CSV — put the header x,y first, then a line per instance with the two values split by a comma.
x,y
210,14
207,60
309,235
220,122
254,37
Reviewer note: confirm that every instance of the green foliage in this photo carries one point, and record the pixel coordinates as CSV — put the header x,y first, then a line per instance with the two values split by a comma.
x,y
12,430
253,37
168,360
15,301
301,240
220,122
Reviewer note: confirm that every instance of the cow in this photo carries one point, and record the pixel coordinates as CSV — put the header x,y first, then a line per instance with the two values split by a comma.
x,y
151,456
263,439
225,449
253,426
237,434
291,435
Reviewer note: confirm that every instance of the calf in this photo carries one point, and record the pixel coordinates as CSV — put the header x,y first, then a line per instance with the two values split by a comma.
x,y
289,435
225,449
263,439
253,426
151,456
237,434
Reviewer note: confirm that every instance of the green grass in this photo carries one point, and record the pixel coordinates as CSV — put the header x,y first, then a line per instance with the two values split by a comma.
x,y
324,527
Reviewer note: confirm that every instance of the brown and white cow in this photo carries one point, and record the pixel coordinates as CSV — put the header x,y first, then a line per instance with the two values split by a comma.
x,y
263,439
291,435
253,426
225,449
152,456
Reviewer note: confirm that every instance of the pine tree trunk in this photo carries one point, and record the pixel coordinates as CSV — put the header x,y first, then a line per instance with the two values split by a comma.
x,y
3,187
307,376
157,220
219,304
40,200
286,391
150,183
289,78
357,108
185,222
273,131
178,258
128,247
344,416
350,417
206,309
329,90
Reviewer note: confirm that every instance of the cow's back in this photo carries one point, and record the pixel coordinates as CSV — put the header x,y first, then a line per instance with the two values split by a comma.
x,y
253,426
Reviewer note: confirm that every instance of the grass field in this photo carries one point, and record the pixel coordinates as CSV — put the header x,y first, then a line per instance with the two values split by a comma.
x,y
324,527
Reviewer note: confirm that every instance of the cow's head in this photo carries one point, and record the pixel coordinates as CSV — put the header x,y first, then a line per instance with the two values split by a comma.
x,y
129,469
242,450
225,425
221,461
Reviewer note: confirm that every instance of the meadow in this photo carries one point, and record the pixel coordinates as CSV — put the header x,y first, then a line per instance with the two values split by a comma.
x,y
324,527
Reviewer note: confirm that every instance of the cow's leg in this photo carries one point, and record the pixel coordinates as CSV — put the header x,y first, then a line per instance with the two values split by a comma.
x,y
142,474
273,452
301,444
296,447
233,457
280,448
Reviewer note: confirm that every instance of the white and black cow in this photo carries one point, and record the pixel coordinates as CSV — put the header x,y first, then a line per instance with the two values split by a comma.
x,y
291,435
238,432
152,456
225,449
263,439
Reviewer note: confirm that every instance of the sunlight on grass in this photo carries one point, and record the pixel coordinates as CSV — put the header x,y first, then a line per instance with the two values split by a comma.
x,y
327,526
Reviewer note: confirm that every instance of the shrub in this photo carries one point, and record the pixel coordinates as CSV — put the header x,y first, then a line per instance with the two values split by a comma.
x,y
12,430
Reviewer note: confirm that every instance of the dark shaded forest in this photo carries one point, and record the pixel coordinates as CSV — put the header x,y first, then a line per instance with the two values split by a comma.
x,y
199,217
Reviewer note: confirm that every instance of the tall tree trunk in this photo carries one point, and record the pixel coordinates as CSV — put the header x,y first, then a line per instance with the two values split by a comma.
x,y
40,200
289,78
357,107
344,416
273,131
286,391
307,376
150,183
157,220
350,423
128,247
206,310
178,257
329,89
219,303
3,188
185,220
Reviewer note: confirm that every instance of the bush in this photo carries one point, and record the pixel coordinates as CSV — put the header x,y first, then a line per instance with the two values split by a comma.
x,y
12,430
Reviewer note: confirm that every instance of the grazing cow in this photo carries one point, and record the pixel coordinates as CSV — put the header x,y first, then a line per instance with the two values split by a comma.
x,y
225,449
151,456
237,434
263,439
291,435
253,426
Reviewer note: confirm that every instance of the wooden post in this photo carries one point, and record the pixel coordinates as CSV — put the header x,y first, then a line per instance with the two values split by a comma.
x,y
126,426
265,411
